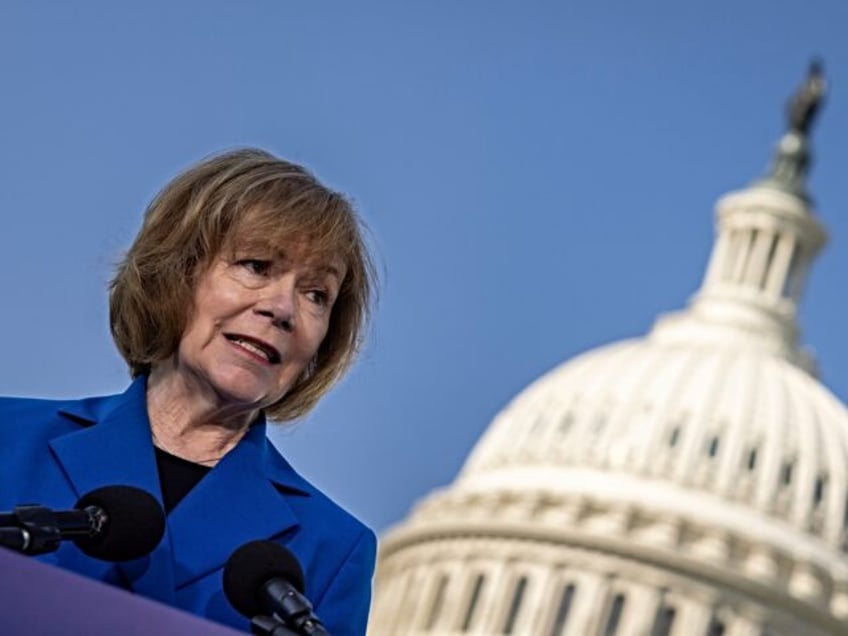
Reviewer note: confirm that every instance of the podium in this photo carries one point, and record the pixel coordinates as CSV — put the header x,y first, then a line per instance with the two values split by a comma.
x,y
41,600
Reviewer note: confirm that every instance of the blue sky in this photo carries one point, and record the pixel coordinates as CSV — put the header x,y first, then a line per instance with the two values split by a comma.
x,y
538,177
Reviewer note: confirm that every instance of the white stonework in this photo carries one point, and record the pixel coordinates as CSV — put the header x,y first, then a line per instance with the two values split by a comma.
x,y
690,483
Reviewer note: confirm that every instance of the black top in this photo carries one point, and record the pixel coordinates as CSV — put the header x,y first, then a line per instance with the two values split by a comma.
x,y
177,476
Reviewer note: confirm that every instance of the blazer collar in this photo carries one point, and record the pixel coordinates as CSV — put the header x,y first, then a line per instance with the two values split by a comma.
x,y
118,450
244,497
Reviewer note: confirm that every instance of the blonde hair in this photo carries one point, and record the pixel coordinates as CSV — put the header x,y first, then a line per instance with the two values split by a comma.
x,y
251,196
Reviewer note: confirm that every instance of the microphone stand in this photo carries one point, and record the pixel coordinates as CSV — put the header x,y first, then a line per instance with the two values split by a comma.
x,y
36,531
292,608
275,626
269,626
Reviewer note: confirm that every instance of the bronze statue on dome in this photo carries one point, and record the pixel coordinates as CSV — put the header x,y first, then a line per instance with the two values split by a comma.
x,y
792,160
804,104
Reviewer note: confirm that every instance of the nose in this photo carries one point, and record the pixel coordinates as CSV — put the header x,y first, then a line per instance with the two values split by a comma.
x,y
278,304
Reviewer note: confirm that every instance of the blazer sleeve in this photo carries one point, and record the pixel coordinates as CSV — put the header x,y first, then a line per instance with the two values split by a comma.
x,y
344,606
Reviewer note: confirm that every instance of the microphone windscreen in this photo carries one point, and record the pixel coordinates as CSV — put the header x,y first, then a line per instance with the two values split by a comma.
x,y
251,566
135,525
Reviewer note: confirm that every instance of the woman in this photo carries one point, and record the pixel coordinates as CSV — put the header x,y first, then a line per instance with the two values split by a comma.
x,y
243,297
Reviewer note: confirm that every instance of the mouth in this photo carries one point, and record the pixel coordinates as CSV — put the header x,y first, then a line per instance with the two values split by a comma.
x,y
255,346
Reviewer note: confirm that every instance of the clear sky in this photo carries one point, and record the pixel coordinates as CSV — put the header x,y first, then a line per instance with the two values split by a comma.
x,y
539,178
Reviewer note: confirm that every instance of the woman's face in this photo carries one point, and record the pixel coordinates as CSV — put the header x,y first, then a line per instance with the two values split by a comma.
x,y
257,322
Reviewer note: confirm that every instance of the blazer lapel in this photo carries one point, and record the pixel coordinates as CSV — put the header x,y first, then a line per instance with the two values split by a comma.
x,y
118,450
242,499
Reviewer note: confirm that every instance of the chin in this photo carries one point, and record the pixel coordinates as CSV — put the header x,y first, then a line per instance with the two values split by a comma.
x,y
250,397
247,392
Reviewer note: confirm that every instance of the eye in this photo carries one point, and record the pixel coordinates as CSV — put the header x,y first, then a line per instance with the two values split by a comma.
x,y
256,266
318,296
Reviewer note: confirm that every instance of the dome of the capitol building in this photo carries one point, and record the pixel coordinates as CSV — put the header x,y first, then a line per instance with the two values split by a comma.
x,y
693,482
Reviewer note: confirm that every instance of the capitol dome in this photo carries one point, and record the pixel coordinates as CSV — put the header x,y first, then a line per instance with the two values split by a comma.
x,y
692,482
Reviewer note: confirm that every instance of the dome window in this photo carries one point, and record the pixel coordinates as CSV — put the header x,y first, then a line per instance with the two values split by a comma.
x,y
716,627
794,278
614,615
745,262
663,621
674,437
772,249
515,606
819,489
565,599
468,621
741,243
712,449
438,601
752,459
786,472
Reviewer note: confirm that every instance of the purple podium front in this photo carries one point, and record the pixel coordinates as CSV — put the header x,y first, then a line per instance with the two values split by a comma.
x,y
41,600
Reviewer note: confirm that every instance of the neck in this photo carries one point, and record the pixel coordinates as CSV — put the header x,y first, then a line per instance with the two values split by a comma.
x,y
187,422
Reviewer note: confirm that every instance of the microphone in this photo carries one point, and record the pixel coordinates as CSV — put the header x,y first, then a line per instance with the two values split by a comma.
x,y
263,577
113,523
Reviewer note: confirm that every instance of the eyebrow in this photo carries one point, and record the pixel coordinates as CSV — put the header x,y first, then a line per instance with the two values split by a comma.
x,y
324,268
329,269
283,254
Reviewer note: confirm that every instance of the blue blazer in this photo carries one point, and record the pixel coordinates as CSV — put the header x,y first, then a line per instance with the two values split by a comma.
x,y
53,452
